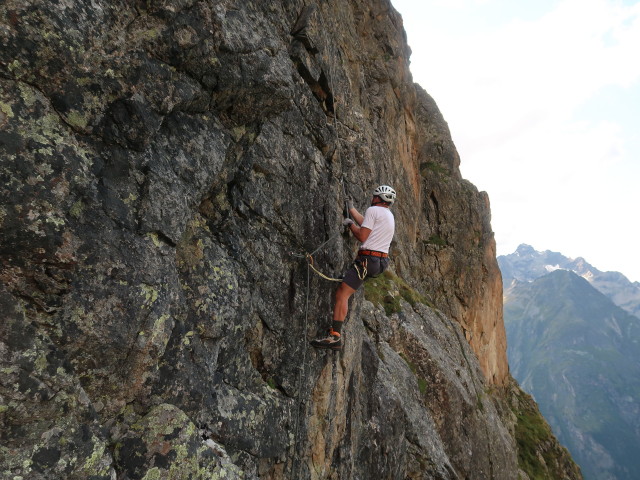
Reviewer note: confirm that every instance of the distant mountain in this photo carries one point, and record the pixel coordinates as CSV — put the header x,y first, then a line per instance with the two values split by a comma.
x,y
578,354
527,264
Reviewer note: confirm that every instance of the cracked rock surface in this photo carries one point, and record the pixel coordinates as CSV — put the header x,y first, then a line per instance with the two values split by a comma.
x,y
160,161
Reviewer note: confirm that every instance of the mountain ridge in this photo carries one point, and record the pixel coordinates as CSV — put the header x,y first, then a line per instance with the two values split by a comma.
x,y
578,354
527,264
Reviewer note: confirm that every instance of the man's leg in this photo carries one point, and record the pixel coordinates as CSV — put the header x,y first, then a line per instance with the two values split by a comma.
x,y
341,306
349,285
333,339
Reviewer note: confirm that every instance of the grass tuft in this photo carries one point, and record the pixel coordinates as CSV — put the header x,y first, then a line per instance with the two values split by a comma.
x,y
388,289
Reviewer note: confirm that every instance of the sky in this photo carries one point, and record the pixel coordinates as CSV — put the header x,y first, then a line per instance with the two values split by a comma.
x,y
542,99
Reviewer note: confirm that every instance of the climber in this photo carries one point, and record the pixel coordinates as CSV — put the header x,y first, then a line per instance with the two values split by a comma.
x,y
375,231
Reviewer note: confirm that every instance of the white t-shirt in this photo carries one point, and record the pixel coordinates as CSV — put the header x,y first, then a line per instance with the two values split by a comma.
x,y
382,225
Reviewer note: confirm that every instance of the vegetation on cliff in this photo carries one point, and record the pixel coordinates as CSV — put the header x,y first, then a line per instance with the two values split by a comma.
x,y
540,455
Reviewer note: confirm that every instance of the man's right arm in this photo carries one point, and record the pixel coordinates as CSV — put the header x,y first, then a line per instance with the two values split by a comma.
x,y
356,215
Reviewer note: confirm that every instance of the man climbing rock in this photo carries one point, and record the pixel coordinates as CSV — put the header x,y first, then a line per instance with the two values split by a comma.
x,y
375,231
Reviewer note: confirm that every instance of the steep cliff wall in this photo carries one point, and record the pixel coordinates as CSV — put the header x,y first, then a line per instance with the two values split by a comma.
x,y
160,163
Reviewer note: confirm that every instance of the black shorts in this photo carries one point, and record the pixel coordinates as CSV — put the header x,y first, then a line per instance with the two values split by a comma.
x,y
374,267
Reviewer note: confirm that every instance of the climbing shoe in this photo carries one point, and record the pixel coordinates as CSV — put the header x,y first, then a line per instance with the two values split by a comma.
x,y
332,340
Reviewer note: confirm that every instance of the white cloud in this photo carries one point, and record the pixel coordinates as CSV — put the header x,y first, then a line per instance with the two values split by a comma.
x,y
549,66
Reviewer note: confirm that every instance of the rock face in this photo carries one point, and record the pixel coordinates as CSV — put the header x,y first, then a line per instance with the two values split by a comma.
x,y
160,162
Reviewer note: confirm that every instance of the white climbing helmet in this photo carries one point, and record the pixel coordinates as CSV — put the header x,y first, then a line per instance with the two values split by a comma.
x,y
386,193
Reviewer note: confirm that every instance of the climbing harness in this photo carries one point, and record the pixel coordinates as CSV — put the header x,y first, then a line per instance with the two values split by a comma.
x,y
373,253
362,269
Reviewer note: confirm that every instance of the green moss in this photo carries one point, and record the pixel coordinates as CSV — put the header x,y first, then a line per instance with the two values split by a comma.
x,y
6,109
411,365
76,209
436,240
152,474
149,35
93,462
388,289
158,334
130,199
76,119
187,338
55,220
154,238
44,130
28,95
532,435
426,167
149,293
41,363
238,132
422,383
14,65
